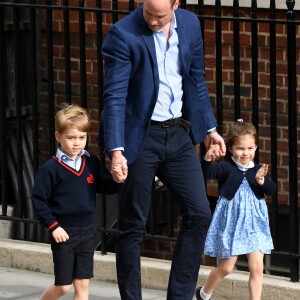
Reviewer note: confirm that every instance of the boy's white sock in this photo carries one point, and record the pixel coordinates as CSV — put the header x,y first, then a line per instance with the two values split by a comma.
x,y
203,295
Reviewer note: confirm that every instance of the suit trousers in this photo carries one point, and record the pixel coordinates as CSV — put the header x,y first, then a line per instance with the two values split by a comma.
x,y
169,154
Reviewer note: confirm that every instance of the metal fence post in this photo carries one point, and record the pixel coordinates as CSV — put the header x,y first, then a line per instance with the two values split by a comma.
x,y
292,125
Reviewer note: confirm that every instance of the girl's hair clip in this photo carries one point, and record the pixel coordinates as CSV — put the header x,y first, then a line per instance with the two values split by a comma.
x,y
239,120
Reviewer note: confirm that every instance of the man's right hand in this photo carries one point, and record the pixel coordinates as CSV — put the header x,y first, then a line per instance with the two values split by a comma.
x,y
119,169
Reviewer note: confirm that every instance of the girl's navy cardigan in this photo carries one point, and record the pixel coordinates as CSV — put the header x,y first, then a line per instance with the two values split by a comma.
x,y
230,178
65,197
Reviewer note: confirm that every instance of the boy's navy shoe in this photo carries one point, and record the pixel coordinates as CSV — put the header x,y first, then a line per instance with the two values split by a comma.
x,y
197,293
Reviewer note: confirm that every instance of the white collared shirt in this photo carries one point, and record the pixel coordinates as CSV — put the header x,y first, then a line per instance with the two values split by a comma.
x,y
74,164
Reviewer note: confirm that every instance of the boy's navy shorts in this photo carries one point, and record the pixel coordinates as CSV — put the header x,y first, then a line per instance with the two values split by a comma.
x,y
75,257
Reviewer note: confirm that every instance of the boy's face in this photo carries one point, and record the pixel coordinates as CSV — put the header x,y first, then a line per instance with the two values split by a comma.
x,y
72,141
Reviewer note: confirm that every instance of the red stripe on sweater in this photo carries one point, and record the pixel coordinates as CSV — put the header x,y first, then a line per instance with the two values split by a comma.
x,y
52,225
78,173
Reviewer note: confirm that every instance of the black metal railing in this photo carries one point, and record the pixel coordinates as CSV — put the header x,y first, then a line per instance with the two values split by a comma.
x,y
50,53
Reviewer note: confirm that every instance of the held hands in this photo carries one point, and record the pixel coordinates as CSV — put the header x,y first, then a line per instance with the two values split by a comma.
x,y
213,152
60,235
261,173
215,146
119,169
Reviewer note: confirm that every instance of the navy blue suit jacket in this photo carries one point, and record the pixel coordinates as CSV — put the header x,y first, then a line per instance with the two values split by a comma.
x,y
132,82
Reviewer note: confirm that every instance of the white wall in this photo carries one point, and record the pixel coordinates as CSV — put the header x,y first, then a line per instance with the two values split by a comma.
x,y
247,3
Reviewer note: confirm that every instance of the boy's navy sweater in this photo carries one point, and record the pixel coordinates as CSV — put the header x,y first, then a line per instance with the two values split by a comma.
x,y
65,197
230,178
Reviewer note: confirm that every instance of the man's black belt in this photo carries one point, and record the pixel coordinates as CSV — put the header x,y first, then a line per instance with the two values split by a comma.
x,y
172,122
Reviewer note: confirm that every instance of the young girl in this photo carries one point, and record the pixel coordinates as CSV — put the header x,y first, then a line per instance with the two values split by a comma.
x,y
240,223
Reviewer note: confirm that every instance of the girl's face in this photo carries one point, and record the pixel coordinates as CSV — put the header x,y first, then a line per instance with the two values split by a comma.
x,y
72,141
243,150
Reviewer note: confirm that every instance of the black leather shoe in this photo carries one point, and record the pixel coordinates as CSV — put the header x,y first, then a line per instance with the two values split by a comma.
x,y
197,293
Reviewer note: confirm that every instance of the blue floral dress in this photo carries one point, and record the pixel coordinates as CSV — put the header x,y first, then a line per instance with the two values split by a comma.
x,y
239,226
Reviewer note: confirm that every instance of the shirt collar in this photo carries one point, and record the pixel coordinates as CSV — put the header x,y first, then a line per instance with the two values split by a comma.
x,y
240,166
62,156
173,22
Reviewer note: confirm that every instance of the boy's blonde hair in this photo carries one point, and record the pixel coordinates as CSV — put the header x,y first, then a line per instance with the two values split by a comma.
x,y
72,115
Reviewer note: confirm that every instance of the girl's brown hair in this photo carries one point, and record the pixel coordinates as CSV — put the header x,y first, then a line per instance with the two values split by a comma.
x,y
238,129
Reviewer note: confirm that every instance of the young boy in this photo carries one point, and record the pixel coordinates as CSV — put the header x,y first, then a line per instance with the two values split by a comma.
x,y
64,196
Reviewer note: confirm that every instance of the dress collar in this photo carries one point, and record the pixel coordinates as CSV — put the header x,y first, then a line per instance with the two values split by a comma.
x,y
241,167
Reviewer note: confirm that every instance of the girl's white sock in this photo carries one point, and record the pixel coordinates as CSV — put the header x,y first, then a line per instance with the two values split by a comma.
x,y
203,295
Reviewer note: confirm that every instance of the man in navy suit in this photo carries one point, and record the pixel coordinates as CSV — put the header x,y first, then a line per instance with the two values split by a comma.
x,y
155,99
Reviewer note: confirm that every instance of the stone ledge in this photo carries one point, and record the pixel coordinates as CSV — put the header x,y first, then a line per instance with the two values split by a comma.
x,y
155,272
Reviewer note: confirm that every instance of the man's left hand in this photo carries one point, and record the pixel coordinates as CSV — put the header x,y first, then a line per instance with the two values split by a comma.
x,y
215,138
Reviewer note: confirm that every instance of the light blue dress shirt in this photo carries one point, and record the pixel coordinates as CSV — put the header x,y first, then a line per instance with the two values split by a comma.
x,y
74,164
169,101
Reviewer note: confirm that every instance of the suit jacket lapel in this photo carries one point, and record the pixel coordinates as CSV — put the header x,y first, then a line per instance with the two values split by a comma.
x,y
182,36
147,36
